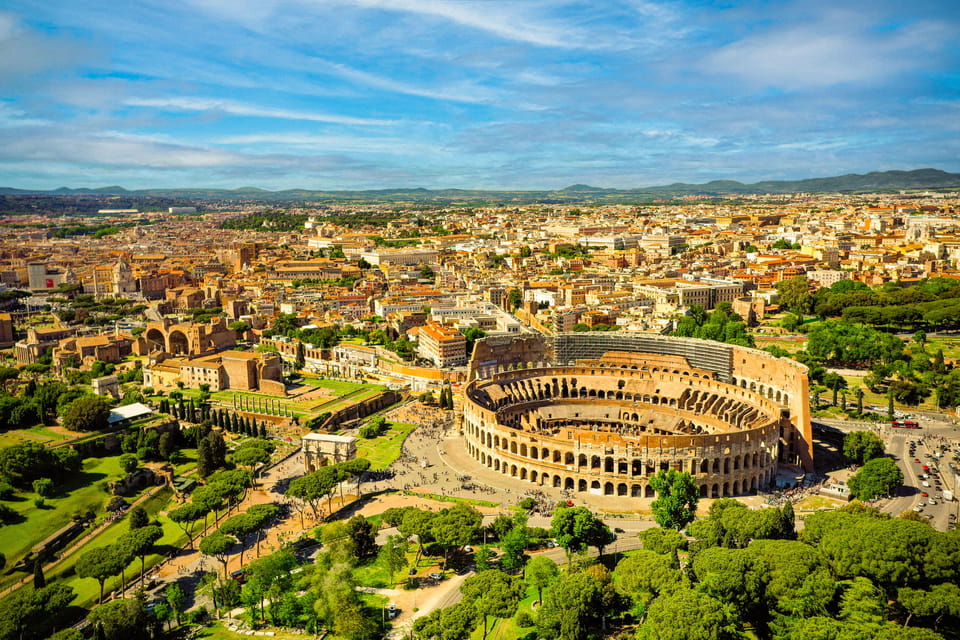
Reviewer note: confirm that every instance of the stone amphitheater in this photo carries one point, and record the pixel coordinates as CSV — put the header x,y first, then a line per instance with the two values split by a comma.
x,y
599,414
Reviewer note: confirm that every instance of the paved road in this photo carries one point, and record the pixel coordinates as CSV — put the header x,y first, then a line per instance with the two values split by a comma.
x,y
936,430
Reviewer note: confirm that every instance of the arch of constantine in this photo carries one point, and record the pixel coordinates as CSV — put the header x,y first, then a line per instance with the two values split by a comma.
x,y
600,415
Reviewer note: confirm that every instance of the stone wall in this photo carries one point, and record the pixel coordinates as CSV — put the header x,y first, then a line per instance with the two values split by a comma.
x,y
361,410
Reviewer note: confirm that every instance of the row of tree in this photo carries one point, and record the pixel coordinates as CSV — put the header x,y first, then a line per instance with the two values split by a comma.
x,y
312,488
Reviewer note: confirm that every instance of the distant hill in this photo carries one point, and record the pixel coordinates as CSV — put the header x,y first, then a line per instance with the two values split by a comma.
x,y
850,183
876,181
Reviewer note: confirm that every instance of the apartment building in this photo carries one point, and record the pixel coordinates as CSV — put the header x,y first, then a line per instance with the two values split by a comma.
x,y
443,346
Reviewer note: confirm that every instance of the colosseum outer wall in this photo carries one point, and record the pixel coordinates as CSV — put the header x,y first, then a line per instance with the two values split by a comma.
x,y
779,379
786,382
729,461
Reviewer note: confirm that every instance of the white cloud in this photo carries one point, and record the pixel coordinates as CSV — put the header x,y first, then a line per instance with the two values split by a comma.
x,y
462,93
110,149
512,21
247,110
24,52
337,144
827,53
497,18
11,116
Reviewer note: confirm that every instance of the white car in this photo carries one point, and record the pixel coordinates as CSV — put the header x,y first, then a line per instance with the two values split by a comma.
x,y
925,483
932,503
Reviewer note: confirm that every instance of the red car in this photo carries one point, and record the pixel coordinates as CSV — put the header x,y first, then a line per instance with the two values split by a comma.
x,y
924,494
926,467
917,461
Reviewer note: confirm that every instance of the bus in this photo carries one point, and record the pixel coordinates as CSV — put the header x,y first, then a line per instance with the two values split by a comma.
x,y
906,424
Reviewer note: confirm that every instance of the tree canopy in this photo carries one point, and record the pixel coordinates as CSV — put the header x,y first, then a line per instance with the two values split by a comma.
x,y
576,528
862,446
677,498
87,413
878,477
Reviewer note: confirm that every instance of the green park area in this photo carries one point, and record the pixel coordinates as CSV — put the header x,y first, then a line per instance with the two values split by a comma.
x,y
84,492
454,499
87,589
949,344
873,398
384,449
508,628
38,434
341,394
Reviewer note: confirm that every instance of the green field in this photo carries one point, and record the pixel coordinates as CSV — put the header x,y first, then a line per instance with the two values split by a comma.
x,y
383,450
875,399
950,346
188,461
40,434
85,491
347,393
454,499
87,589
792,345
506,628
338,386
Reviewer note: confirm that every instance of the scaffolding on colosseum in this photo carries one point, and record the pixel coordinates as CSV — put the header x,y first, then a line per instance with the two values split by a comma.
x,y
712,356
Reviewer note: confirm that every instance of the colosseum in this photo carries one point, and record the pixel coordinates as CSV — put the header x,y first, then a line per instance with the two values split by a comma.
x,y
598,414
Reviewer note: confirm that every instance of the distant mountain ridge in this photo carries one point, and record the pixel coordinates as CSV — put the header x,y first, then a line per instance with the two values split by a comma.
x,y
875,181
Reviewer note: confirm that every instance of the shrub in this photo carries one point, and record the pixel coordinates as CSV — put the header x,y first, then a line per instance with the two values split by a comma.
x,y
523,620
197,616
7,514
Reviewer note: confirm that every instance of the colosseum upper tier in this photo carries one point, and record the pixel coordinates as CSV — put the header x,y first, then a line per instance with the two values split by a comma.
x,y
613,412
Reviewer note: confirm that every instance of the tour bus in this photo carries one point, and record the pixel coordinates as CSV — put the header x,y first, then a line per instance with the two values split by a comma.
x,y
906,424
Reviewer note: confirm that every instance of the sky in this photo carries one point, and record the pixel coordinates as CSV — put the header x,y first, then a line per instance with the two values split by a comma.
x,y
475,94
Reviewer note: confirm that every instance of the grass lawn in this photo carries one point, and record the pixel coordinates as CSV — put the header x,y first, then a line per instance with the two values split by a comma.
x,y
81,493
813,503
188,461
788,344
338,386
352,397
441,498
383,450
374,575
876,399
40,434
950,346
506,628
88,589
347,393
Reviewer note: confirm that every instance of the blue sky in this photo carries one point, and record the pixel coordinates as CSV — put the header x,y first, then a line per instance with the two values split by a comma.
x,y
520,94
